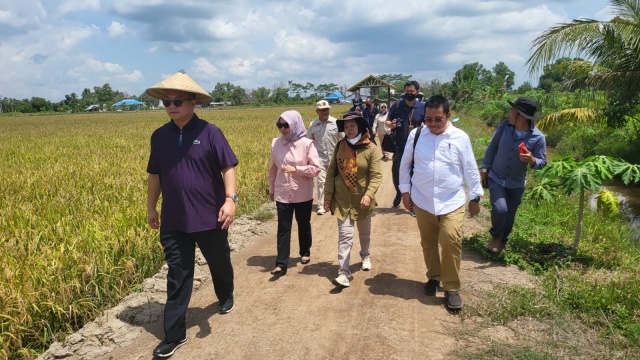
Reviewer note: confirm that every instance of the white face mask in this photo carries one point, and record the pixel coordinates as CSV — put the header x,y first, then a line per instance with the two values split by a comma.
x,y
354,140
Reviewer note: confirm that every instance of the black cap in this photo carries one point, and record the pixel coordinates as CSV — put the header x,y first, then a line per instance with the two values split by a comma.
x,y
526,107
363,125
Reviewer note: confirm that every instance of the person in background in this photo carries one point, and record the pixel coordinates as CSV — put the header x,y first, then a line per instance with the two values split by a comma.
x,y
432,178
404,115
324,132
380,127
515,146
193,167
293,164
354,178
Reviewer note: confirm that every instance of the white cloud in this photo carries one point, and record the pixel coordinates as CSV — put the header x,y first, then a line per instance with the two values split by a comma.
x,y
77,5
118,30
204,67
296,44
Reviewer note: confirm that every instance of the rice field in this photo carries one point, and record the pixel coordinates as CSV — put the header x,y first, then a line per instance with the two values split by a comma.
x,y
73,232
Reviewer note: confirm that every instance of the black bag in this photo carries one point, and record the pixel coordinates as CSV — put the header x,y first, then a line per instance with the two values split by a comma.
x,y
388,143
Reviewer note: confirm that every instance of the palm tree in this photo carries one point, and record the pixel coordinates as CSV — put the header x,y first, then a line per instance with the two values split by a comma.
x,y
613,48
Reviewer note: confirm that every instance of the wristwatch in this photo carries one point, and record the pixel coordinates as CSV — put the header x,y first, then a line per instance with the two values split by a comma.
x,y
476,200
233,197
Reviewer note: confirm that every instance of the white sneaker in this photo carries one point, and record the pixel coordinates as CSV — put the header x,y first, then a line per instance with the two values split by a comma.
x,y
342,280
320,212
366,264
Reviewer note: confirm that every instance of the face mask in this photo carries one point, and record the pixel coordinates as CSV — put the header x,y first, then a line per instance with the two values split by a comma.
x,y
409,96
354,140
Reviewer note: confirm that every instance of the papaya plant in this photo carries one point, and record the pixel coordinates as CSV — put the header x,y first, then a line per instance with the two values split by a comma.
x,y
581,178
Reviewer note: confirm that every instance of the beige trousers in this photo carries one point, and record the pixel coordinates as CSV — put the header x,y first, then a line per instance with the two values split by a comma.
x,y
446,231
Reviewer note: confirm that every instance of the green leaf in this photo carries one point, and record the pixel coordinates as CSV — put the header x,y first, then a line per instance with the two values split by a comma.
x,y
628,172
581,180
604,166
558,168
608,203
542,192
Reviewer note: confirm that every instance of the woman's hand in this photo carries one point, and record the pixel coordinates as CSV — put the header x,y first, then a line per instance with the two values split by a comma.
x,y
327,206
289,168
365,202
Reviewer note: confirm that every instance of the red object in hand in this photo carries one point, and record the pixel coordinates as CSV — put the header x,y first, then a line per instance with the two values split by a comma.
x,y
523,148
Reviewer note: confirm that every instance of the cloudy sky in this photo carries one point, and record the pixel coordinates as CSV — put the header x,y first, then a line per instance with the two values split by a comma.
x,y
51,48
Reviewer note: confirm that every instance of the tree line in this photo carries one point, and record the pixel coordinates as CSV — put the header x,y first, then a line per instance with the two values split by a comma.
x,y
471,82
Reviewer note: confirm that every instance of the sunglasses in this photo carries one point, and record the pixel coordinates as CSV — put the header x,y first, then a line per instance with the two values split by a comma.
x,y
281,125
176,102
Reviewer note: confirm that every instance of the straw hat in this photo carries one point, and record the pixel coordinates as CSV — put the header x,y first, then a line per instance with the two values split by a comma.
x,y
180,81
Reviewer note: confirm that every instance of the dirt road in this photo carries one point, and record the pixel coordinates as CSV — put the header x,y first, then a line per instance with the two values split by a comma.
x,y
382,315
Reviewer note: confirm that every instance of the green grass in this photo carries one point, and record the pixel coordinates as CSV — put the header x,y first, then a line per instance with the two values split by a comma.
x,y
73,232
598,287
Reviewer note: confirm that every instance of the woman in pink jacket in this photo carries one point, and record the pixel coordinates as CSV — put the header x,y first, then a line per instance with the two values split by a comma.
x,y
293,165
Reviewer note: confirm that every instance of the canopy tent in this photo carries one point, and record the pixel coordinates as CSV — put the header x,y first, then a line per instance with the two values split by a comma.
x,y
335,96
127,102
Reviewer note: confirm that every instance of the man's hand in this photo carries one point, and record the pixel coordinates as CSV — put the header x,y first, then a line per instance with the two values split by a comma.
x,y
365,202
407,202
152,219
227,213
474,208
271,197
527,156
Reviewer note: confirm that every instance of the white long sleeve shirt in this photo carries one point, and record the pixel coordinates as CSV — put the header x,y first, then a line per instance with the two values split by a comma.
x,y
442,164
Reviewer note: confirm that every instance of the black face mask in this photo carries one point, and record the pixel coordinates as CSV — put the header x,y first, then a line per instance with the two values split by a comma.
x,y
409,96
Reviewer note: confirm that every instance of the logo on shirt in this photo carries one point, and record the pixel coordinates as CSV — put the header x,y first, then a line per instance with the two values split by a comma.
x,y
196,142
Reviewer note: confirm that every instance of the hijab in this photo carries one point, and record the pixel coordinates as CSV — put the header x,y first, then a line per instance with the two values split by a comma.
x,y
347,159
296,124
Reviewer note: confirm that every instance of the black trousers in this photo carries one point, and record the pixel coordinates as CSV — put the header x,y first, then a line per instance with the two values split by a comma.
x,y
302,211
395,170
179,250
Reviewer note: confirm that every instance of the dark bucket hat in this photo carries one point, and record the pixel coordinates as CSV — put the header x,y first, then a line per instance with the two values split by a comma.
x,y
526,107
363,125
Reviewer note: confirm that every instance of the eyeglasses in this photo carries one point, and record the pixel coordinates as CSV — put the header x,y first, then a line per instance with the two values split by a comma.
x,y
281,125
176,102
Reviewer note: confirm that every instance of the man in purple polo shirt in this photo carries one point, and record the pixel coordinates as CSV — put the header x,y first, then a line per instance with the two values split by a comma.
x,y
192,166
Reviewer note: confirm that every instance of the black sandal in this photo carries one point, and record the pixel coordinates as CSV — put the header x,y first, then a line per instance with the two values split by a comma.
x,y
279,271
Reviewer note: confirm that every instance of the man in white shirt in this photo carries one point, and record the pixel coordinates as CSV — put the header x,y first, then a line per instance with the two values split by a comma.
x,y
442,161
324,132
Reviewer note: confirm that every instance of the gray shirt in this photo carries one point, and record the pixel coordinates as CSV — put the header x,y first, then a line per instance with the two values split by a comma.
x,y
325,135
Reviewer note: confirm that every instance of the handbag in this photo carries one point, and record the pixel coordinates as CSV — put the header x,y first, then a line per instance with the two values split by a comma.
x,y
389,143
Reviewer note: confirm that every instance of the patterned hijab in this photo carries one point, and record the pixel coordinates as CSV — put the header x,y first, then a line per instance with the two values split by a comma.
x,y
347,157
296,124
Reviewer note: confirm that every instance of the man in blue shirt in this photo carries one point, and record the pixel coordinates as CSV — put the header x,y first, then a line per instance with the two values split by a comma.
x,y
515,146
192,165
404,115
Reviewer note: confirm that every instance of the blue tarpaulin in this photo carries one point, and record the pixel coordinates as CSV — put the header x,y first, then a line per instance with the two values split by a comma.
x,y
336,95
127,102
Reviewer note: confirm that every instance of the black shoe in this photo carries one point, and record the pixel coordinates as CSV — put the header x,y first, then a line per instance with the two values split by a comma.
x,y
227,306
165,349
431,287
454,301
397,200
